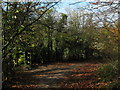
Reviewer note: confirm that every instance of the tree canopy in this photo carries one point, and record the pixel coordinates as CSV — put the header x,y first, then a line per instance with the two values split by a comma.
x,y
38,33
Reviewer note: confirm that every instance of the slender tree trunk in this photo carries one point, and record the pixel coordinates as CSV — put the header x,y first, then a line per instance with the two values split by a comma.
x,y
56,50
49,44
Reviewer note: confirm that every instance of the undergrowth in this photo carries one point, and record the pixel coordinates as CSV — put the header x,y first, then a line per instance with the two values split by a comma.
x,y
109,73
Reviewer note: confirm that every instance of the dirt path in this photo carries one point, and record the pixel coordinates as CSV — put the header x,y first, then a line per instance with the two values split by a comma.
x,y
56,75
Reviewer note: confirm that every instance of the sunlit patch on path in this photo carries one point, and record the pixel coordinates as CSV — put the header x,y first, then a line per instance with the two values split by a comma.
x,y
68,75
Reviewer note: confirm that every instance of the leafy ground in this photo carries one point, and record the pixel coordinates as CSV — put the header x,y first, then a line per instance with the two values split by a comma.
x,y
57,75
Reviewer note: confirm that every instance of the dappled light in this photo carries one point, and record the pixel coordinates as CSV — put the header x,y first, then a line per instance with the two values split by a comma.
x,y
60,45
55,75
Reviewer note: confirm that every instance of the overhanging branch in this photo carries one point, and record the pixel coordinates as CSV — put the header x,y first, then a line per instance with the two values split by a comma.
x,y
18,33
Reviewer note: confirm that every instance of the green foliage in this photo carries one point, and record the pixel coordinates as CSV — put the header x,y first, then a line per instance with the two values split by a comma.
x,y
109,73
21,60
113,85
19,37
54,37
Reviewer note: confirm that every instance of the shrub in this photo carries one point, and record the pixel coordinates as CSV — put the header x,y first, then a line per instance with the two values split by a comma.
x,y
114,85
109,74
106,73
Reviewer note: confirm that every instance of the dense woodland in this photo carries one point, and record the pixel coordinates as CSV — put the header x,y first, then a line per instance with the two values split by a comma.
x,y
38,33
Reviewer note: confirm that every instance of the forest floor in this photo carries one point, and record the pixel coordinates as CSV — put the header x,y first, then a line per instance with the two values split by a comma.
x,y
58,75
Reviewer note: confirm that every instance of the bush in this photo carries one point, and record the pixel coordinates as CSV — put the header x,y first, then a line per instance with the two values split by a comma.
x,y
106,73
109,74
114,85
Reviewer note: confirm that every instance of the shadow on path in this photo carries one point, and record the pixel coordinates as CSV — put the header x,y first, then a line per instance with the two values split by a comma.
x,y
52,76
